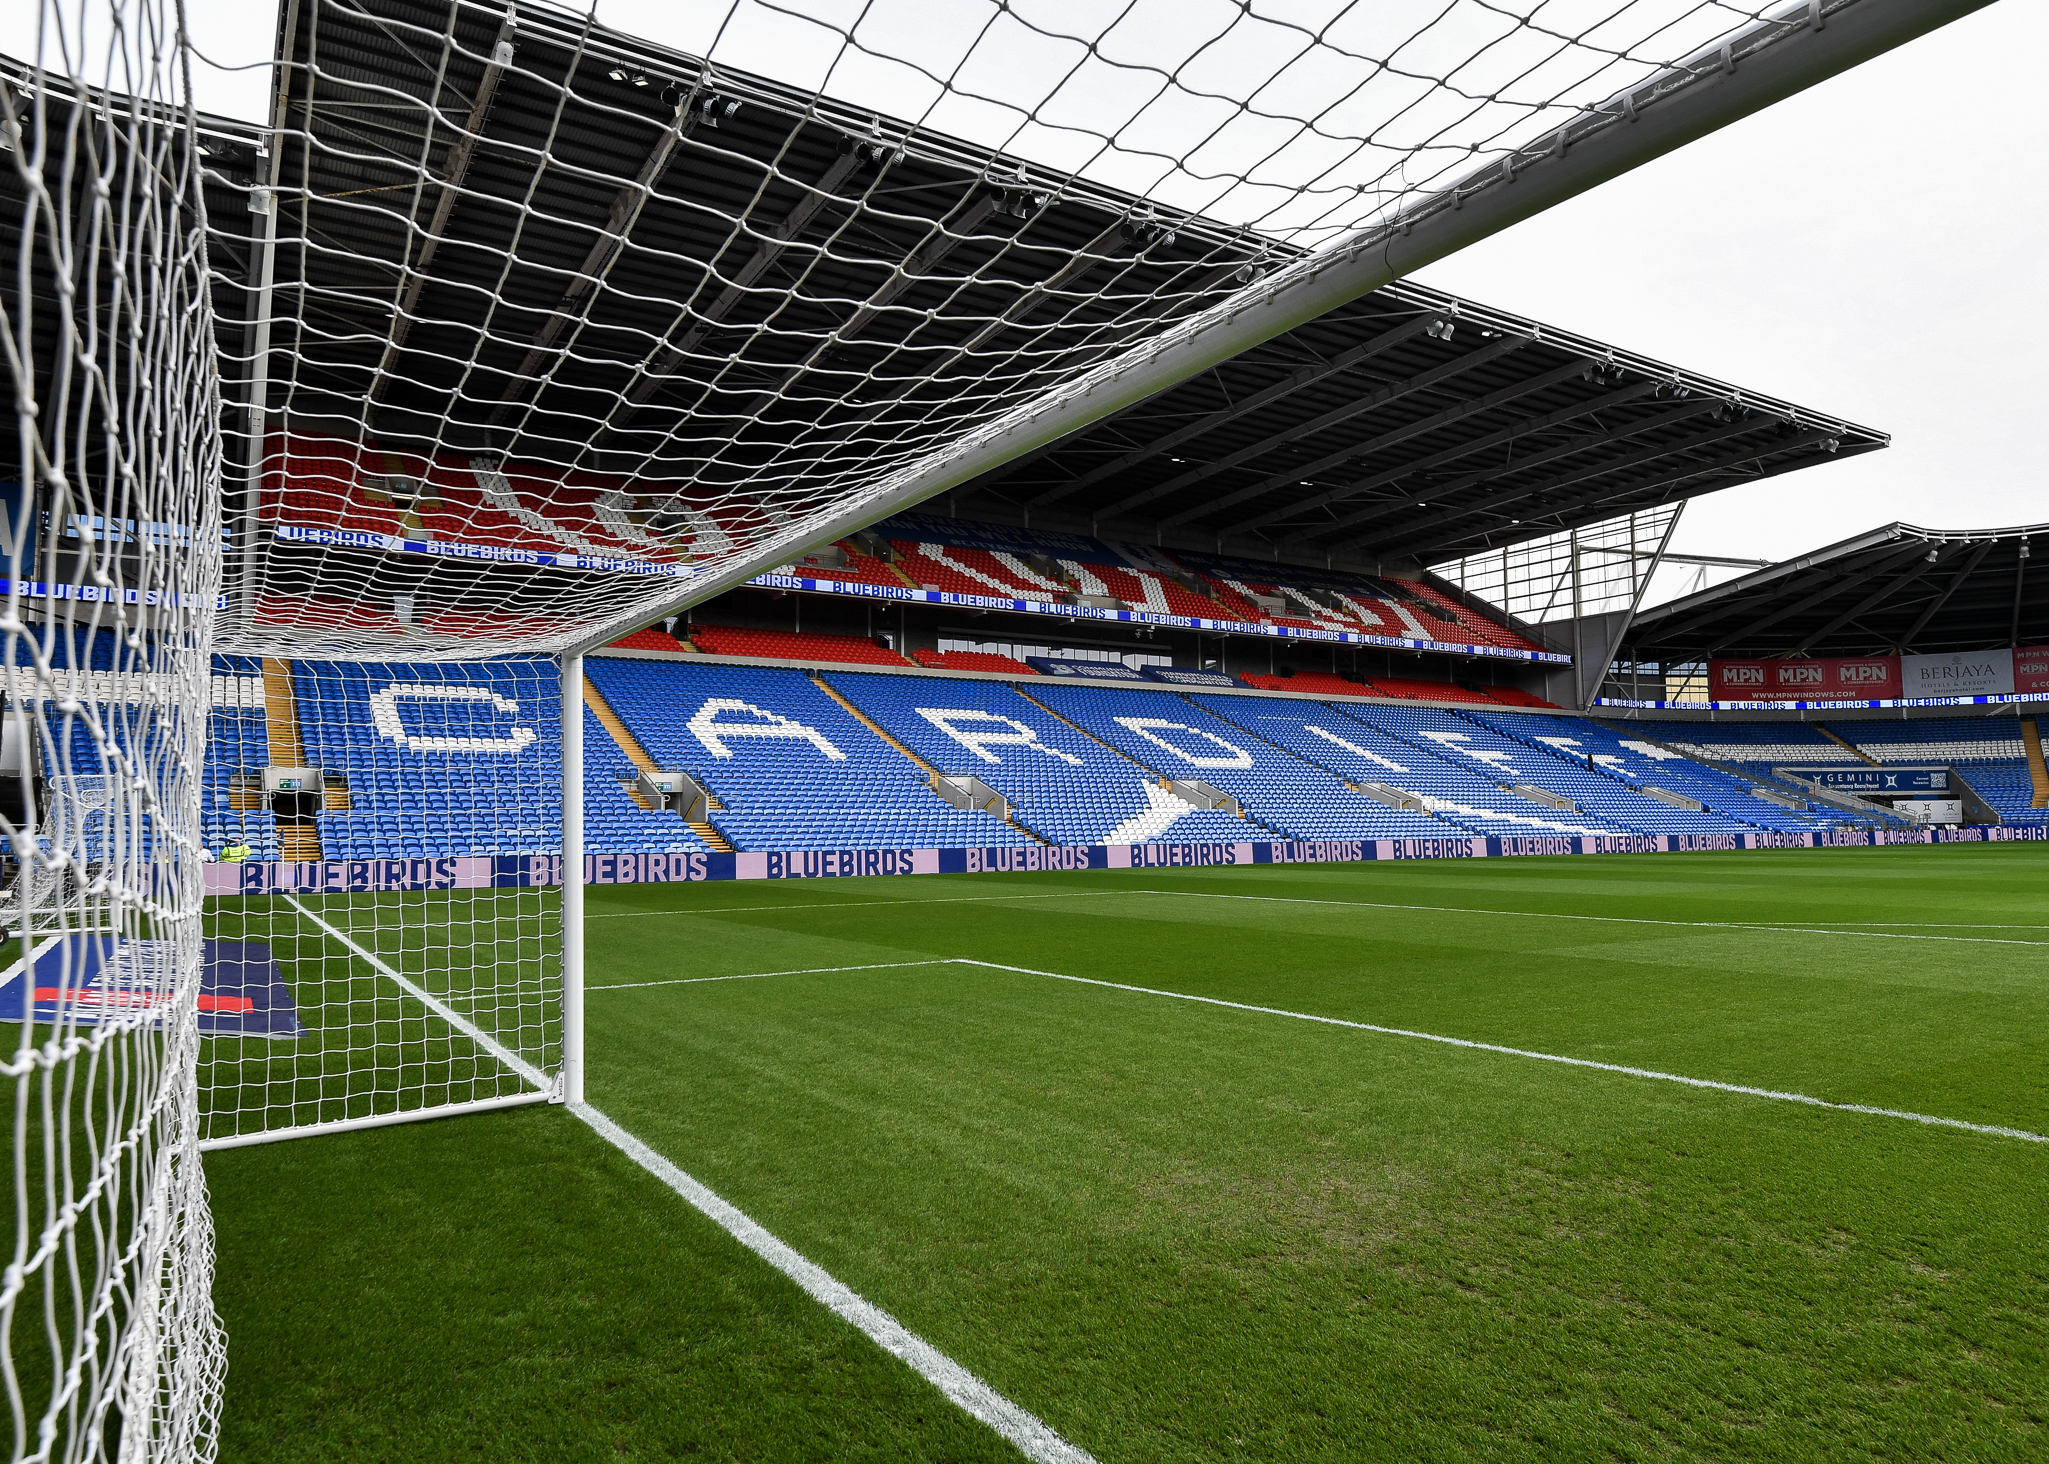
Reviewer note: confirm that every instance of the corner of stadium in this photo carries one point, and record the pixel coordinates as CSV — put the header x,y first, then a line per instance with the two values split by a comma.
x,y
849,797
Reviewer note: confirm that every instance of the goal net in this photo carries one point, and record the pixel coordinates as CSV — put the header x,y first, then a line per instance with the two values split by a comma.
x,y
341,431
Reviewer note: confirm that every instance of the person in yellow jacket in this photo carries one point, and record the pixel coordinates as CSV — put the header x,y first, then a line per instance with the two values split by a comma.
x,y
235,853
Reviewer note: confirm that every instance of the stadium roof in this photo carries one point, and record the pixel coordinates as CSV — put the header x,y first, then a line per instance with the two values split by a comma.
x,y
682,314
1896,589
1409,425
718,273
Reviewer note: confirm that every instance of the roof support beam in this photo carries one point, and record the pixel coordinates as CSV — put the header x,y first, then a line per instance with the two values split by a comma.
x,y
1877,597
626,211
666,358
1378,397
1935,606
1445,418
2020,576
1287,386
1415,527
1834,584
1768,62
455,168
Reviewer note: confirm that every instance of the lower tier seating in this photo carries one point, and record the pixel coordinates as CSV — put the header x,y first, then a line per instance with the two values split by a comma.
x,y
464,759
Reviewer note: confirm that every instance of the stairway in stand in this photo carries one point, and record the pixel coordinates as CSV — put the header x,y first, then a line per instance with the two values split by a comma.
x,y
2031,749
641,758
298,835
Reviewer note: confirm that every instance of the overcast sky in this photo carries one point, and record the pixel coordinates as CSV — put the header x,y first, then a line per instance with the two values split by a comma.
x,y
1876,248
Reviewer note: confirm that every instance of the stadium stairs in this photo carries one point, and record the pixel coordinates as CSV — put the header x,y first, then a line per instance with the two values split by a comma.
x,y
2038,772
643,761
298,836
925,767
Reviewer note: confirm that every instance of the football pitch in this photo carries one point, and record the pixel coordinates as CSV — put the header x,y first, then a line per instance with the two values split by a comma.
x,y
1711,1156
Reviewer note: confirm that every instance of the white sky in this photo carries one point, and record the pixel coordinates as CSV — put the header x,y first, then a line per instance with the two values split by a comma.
x,y
1874,248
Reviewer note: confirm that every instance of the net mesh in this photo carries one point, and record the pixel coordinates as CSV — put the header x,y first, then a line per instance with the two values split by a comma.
x,y
548,329
112,561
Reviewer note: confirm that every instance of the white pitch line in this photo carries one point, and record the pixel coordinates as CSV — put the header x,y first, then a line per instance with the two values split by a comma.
x,y
757,975
434,1004
1032,1436
1922,924
1747,1091
1580,1062
1749,925
860,904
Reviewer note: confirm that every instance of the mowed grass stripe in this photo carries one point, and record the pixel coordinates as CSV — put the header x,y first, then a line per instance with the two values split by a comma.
x,y
1494,1048
1178,1238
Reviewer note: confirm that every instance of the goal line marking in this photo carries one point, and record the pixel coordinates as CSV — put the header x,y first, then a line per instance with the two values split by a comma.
x,y
433,1003
1469,1044
1032,1436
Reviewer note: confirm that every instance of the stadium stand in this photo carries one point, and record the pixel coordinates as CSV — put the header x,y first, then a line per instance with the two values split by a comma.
x,y
792,767
790,645
1509,764
647,640
1637,761
1356,752
958,570
972,661
1182,739
1409,689
1318,683
462,727
1985,751
1064,785
1515,696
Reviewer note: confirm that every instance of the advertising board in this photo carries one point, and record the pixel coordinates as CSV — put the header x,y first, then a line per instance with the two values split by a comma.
x,y
1854,678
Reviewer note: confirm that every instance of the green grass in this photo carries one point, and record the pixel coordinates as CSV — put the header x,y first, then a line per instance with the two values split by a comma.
x,y
1180,1231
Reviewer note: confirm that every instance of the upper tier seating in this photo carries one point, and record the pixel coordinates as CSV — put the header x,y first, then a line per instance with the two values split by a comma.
x,y
1181,739
1318,683
1411,689
1460,797
959,571
854,567
1063,785
1140,589
1471,626
647,640
1515,696
793,768
789,645
442,758
972,661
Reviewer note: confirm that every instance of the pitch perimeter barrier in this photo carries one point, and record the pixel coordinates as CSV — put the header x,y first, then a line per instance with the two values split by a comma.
x,y
523,871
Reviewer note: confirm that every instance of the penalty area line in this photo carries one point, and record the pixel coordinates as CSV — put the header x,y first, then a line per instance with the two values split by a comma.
x,y
1624,1070
1029,1434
